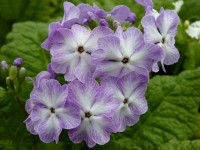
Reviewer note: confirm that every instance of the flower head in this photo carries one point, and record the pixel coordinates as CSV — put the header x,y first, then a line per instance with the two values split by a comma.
x,y
129,91
97,109
123,53
71,51
161,31
50,111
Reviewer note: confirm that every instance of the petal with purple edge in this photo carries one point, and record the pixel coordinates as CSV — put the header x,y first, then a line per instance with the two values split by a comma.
x,y
130,40
146,56
81,34
96,33
145,3
100,128
85,68
167,22
50,129
80,133
124,117
104,103
171,55
120,13
151,33
30,126
69,116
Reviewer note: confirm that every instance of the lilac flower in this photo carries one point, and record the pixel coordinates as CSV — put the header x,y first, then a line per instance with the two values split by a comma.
x,y
129,91
17,62
4,65
123,53
71,51
161,31
97,109
51,72
145,3
131,18
51,112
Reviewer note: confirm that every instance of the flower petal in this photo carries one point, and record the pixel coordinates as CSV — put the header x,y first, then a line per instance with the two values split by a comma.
x,y
50,129
151,33
98,32
167,22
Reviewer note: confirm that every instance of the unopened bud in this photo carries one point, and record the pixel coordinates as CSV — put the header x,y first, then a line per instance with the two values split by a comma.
x,y
4,65
186,24
9,83
17,62
108,16
116,23
22,74
131,18
103,22
13,72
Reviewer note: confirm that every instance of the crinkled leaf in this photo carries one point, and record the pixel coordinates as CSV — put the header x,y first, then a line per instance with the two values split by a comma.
x,y
183,145
25,42
173,111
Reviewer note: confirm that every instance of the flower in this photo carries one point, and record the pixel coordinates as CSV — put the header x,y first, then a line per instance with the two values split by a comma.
x,y
161,31
123,53
50,112
17,62
97,109
194,30
4,65
129,91
71,51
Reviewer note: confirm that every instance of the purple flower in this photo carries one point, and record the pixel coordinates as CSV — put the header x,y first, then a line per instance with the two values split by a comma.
x,y
71,51
51,112
51,72
123,53
129,91
4,65
17,62
161,31
97,109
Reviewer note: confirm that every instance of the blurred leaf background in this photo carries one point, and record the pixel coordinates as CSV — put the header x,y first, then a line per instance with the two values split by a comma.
x,y
173,119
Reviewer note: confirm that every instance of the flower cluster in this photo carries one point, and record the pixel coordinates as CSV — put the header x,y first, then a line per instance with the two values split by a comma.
x,y
105,65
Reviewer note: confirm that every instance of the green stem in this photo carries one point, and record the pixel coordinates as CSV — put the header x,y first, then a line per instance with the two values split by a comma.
x,y
20,105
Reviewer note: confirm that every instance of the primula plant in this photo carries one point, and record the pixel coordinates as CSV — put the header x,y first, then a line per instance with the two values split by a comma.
x,y
100,79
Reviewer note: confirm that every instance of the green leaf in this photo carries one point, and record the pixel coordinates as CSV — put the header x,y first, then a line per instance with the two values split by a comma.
x,y
4,97
183,145
24,41
173,112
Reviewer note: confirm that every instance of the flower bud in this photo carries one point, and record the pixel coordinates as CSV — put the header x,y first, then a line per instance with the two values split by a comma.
x,y
186,24
17,62
9,83
103,22
131,18
22,74
13,72
4,65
